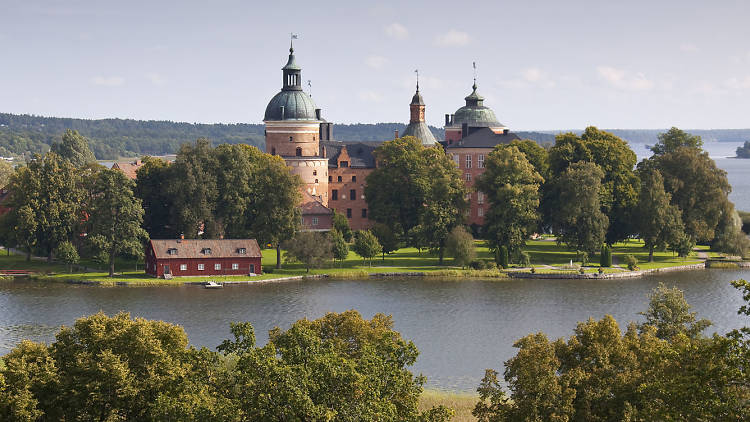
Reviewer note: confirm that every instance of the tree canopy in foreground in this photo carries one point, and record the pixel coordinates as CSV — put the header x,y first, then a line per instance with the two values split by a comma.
x,y
339,367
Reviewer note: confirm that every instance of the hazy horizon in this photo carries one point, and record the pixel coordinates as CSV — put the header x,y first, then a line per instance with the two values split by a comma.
x,y
541,65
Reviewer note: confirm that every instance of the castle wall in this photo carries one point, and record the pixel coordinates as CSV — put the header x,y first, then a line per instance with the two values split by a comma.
x,y
284,137
314,174
350,179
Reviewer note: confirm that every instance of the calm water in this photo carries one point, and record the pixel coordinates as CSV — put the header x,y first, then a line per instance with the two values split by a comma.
x,y
460,327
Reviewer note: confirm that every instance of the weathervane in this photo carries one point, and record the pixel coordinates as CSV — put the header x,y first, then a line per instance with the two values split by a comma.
x,y
293,37
475,72
417,72
309,86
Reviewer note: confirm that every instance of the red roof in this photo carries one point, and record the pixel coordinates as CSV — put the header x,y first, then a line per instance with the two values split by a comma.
x,y
128,167
206,248
312,205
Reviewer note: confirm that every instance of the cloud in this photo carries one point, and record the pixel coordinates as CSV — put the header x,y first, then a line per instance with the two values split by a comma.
x,y
688,48
738,84
397,31
155,78
452,38
531,76
621,79
370,96
108,81
376,62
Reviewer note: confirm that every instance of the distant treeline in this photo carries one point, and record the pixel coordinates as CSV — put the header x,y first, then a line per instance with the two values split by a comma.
x,y
113,138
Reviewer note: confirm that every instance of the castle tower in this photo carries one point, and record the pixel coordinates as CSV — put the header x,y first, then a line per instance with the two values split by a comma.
x,y
417,126
467,119
293,128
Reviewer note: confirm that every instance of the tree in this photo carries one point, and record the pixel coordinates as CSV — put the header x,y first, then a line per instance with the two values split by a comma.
x,y
312,249
744,150
512,187
366,245
729,237
45,202
341,223
605,256
387,239
417,191
115,219
674,139
579,221
619,184
6,170
536,154
74,148
151,179
67,253
502,257
194,190
658,221
601,374
460,245
340,248
669,313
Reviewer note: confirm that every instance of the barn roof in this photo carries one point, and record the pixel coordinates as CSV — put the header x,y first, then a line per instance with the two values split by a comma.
x,y
206,248
128,167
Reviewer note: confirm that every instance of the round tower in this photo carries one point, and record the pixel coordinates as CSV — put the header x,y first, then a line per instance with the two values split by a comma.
x,y
293,131
417,126
473,115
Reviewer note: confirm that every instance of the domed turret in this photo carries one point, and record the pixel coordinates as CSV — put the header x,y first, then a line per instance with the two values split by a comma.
x,y
417,126
292,103
475,113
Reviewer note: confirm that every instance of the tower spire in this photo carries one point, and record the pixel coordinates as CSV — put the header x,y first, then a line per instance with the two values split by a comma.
x,y
292,37
474,64
417,72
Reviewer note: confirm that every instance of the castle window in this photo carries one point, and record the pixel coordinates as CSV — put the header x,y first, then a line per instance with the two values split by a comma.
x,y
468,161
335,195
455,159
348,213
339,178
330,179
468,177
291,139
480,198
315,172
364,212
352,194
480,161
273,151
480,212
298,152
354,178
316,180
343,164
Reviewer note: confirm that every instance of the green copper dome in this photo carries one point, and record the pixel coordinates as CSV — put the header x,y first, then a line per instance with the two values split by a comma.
x,y
475,113
292,103
297,106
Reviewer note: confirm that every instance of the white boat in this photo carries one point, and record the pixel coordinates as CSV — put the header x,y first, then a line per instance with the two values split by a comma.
x,y
213,285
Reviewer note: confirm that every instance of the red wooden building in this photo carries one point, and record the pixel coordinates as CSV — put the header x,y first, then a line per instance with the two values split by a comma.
x,y
202,257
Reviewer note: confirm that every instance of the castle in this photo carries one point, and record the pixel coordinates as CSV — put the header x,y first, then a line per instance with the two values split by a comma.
x,y
334,172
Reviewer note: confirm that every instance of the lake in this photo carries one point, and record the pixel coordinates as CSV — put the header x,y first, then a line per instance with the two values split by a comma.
x,y
460,326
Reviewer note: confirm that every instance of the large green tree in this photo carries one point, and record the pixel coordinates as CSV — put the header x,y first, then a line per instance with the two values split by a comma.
x,y
6,170
512,185
115,218
698,188
578,220
417,191
312,249
151,182
194,190
45,202
619,186
658,222
74,148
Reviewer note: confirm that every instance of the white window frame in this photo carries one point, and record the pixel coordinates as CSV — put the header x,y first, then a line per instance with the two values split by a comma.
x,y
217,267
480,197
480,161
456,160
183,267
315,221
468,177
468,161
201,267
235,266
480,212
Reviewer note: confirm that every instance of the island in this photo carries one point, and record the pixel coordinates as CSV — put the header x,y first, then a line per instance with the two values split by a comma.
x,y
744,151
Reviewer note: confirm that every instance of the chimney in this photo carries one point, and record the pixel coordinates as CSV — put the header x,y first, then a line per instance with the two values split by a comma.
x,y
182,237
452,116
505,131
221,236
464,130
317,113
447,119
395,134
282,112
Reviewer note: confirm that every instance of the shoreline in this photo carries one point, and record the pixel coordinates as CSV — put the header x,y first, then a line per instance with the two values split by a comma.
x,y
447,274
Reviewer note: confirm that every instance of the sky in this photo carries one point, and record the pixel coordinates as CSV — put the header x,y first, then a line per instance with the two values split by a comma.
x,y
541,65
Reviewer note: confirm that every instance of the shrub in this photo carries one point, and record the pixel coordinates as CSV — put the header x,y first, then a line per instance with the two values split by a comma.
x,y
582,257
460,245
632,262
267,270
478,264
501,256
601,270
525,259
490,264
581,270
605,256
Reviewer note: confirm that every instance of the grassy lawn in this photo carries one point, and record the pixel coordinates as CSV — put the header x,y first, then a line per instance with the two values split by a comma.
x,y
461,403
546,256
